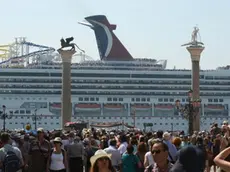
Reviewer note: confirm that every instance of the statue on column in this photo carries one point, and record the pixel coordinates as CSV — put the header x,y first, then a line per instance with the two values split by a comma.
x,y
194,34
66,43
194,39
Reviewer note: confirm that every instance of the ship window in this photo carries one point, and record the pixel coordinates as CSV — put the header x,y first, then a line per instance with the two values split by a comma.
x,y
92,99
133,99
51,117
120,99
28,111
177,123
137,99
28,117
166,123
39,123
45,123
104,117
109,117
97,99
215,100
143,99
182,123
221,100
148,99
80,99
109,99
166,100
209,100
16,123
86,99
21,117
57,123
22,111
115,99
160,123
160,100
171,100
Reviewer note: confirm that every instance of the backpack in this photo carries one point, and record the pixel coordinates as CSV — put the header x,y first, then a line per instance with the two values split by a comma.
x,y
63,154
11,162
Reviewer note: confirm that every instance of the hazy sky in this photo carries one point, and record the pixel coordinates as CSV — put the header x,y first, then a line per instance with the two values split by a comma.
x,y
148,28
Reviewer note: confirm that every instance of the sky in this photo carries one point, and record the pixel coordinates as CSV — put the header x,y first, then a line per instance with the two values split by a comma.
x,y
148,28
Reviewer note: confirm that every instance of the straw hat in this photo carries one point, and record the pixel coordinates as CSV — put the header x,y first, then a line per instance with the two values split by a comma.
x,y
99,154
41,130
57,140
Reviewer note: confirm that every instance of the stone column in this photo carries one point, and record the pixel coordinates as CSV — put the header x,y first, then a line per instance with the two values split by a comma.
x,y
66,105
195,52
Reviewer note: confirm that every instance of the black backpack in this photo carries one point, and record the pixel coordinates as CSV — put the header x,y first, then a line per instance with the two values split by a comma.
x,y
11,162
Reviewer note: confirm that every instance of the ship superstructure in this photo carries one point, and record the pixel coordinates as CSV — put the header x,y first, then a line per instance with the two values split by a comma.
x,y
116,88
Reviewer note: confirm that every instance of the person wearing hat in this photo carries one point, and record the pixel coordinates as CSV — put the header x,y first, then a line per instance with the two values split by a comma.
x,y
57,161
172,151
39,152
101,162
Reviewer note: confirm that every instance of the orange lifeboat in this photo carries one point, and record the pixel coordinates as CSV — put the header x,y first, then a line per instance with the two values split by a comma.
x,y
164,106
55,106
141,106
113,106
214,107
87,107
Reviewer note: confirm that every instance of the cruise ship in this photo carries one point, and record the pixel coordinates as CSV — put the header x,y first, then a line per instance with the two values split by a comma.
x,y
116,88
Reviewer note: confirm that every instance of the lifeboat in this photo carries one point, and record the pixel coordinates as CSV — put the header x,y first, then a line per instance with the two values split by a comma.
x,y
55,106
141,107
164,107
214,107
113,106
87,107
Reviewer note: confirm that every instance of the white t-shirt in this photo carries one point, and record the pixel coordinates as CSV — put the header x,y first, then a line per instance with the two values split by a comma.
x,y
122,148
57,162
149,158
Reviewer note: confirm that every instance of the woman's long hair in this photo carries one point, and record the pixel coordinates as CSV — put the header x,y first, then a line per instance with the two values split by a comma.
x,y
95,168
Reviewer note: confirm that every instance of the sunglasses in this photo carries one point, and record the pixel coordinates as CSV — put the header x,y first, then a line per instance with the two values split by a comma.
x,y
156,151
103,159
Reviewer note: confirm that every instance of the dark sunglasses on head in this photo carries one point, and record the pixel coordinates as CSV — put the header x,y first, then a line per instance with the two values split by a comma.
x,y
103,159
156,151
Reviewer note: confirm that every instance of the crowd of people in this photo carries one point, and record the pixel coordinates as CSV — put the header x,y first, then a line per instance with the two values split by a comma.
x,y
104,150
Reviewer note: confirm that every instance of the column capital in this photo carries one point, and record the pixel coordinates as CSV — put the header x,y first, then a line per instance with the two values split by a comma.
x,y
66,55
195,52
